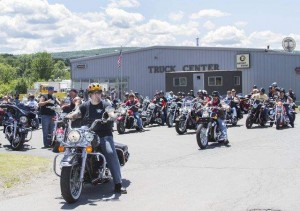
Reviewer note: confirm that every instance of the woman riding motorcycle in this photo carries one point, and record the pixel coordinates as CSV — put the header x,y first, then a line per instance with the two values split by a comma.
x,y
286,100
134,104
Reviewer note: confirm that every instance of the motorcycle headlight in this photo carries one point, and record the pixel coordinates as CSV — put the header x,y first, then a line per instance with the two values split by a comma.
x,y
89,136
123,112
23,119
74,136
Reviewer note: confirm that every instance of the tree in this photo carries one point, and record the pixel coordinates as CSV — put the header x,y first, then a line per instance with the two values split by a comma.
x,y
21,87
43,65
60,71
7,73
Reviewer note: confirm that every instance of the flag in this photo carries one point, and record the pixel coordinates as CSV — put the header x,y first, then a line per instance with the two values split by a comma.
x,y
120,59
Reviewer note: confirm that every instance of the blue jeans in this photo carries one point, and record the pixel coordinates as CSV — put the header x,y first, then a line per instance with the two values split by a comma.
x,y
109,151
47,127
138,119
223,129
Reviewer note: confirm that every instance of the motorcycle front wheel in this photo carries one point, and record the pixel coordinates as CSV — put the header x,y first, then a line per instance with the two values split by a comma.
x,y
202,139
180,127
121,127
70,184
18,142
249,122
169,120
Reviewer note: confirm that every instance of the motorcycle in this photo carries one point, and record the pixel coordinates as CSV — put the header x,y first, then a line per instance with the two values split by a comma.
x,y
126,119
230,118
245,103
15,122
173,112
186,119
33,121
83,162
255,115
208,128
281,118
153,115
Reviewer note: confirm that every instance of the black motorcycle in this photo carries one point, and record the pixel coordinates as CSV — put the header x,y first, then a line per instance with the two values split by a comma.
x,y
256,114
208,128
15,122
83,161
187,117
33,120
173,112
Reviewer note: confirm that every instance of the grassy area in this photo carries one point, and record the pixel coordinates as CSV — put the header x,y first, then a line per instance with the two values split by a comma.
x,y
16,169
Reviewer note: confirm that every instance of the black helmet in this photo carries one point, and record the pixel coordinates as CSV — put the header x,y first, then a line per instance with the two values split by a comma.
x,y
183,94
179,93
254,87
262,90
215,94
282,90
270,87
136,93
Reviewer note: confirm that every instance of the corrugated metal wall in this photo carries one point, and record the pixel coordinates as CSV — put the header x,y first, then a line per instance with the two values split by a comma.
x,y
266,67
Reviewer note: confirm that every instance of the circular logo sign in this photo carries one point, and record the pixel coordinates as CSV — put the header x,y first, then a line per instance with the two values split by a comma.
x,y
288,44
242,58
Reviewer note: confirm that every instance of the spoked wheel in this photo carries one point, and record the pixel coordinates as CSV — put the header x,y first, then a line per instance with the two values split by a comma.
x,y
18,142
70,184
234,121
121,127
35,124
180,127
202,139
170,120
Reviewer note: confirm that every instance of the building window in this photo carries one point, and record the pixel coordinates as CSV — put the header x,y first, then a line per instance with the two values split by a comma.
x,y
180,81
215,81
237,80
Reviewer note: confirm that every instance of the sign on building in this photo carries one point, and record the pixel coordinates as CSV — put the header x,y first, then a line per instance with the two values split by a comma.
x,y
243,61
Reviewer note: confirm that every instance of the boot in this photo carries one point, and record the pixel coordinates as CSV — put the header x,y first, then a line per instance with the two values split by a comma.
x,y
120,189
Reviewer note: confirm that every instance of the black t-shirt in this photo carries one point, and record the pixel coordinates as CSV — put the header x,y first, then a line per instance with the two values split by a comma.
x,y
92,112
44,109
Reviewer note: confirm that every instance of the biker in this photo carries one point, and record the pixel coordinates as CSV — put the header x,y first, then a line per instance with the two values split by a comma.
x,y
229,100
139,97
134,104
47,115
126,97
236,103
88,112
32,102
192,93
262,97
162,101
215,102
292,95
285,99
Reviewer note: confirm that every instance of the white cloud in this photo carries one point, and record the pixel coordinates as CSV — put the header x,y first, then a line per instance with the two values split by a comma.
x,y
209,25
123,19
240,24
209,13
123,3
225,36
176,16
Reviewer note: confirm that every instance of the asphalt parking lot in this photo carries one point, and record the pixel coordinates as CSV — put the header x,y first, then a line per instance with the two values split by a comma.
x,y
259,170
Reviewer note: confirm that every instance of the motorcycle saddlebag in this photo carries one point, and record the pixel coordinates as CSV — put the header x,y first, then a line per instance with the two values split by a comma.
x,y
122,152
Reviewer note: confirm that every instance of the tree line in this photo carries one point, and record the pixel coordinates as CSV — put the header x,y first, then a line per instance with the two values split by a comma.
x,y
19,72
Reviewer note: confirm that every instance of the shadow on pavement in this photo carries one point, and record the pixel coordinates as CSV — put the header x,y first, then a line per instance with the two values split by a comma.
x,y
215,145
25,148
92,194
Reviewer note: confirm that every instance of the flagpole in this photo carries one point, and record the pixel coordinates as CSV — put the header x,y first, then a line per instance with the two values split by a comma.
x,y
121,67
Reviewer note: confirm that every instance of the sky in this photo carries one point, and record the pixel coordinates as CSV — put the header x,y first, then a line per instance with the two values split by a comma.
x,y
67,25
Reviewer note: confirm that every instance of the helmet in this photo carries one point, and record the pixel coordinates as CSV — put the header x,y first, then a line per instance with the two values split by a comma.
x,y
282,90
179,93
262,90
274,84
93,87
183,94
200,91
31,96
254,87
204,92
270,87
215,94
189,94
136,93
191,91
126,94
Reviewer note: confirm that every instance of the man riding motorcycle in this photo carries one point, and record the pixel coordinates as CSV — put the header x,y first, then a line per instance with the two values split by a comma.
x,y
160,98
262,97
285,99
215,102
89,112
134,104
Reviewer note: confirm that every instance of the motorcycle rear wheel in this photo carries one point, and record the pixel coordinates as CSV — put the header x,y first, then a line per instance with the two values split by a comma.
x,y
18,143
277,123
202,139
70,184
180,127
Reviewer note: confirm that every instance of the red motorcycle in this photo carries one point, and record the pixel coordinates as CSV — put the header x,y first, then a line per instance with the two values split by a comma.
x,y
126,119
